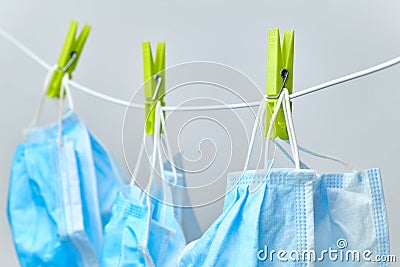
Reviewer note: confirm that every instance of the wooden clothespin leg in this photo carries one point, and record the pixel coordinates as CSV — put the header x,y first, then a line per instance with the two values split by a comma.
x,y
69,57
279,75
154,82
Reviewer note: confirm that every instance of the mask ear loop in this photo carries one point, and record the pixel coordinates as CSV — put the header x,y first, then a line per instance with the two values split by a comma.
x,y
42,98
139,161
168,148
318,155
64,89
140,158
167,196
259,116
257,123
290,127
156,139
275,113
289,124
288,156
157,134
64,83
161,165
284,101
159,119
295,147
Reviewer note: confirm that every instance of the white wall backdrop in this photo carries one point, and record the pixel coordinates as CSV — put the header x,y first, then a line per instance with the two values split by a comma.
x,y
357,121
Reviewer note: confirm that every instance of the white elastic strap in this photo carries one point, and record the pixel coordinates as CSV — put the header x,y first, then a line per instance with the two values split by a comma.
x,y
268,167
271,124
168,148
290,127
287,154
159,120
64,88
142,150
266,147
42,98
284,96
164,183
139,160
156,137
155,144
320,155
283,100
288,124
257,123
65,82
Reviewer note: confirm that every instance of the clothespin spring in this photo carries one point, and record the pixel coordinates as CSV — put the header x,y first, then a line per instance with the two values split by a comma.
x,y
158,79
285,75
74,56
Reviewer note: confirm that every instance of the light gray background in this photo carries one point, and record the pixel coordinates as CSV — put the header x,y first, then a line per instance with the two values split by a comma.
x,y
357,121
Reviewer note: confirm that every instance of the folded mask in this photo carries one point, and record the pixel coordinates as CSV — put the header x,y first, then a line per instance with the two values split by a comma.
x,y
60,195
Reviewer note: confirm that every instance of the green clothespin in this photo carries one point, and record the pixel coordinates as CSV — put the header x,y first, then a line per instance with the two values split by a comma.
x,y
154,81
279,75
69,57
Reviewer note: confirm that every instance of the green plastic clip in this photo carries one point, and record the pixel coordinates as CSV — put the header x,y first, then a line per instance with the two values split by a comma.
x,y
154,82
279,74
70,54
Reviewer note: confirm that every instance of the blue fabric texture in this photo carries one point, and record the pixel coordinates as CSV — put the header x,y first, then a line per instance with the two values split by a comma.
x,y
57,202
350,207
277,215
349,215
151,237
126,234
166,237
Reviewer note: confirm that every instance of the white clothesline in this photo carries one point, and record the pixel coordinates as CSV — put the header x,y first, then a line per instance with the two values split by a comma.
x,y
303,92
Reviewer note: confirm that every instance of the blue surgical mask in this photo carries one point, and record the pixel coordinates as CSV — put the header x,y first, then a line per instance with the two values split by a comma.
x,y
349,215
142,231
266,210
126,234
183,212
166,237
277,216
152,237
57,202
